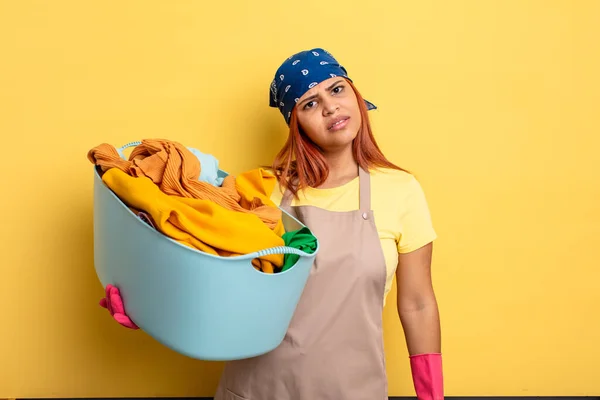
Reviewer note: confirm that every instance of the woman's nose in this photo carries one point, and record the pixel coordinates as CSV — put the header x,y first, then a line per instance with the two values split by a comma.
x,y
329,106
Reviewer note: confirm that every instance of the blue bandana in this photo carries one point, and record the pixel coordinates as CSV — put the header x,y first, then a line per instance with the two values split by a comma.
x,y
301,72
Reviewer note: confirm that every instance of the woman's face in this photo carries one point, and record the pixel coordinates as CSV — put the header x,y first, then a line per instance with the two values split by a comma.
x,y
329,114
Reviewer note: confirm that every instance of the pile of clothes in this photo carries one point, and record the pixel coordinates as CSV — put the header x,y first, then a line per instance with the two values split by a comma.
x,y
179,191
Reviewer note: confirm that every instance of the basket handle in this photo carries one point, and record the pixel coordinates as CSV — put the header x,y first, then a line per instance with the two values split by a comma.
x,y
280,250
130,144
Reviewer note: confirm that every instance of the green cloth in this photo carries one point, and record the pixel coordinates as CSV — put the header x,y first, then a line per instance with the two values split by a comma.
x,y
302,239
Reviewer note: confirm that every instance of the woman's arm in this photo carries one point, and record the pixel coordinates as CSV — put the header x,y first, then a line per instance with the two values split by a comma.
x,y
418,311
417,305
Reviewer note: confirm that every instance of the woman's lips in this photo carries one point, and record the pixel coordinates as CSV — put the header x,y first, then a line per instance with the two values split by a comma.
x,y
341,124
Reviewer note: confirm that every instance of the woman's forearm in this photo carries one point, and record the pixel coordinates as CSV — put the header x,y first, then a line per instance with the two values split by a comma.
x,y
421,325
419,316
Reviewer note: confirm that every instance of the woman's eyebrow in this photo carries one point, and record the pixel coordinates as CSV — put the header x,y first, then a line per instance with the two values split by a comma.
x,y
314,96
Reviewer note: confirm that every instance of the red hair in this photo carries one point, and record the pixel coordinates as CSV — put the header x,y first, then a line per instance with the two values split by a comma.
x,y
300,163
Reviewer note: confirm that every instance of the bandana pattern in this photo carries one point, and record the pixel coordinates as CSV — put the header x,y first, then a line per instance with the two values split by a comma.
x,y
301,72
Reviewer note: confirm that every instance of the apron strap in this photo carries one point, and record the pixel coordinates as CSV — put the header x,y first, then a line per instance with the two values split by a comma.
x,y
364,182
286,201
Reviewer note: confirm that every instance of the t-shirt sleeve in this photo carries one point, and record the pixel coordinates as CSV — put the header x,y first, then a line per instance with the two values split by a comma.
x,y
416,228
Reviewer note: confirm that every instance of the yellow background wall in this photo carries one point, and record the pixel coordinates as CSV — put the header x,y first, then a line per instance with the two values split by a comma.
x,y
493,104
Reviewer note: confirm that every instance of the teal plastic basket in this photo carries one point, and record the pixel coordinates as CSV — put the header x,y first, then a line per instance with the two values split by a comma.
x,y
203,306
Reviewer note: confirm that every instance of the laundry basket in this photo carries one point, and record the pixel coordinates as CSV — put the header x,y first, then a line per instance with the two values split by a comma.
x,y
203,306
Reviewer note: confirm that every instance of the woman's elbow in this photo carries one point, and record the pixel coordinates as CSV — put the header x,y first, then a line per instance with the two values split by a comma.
x,y
416,301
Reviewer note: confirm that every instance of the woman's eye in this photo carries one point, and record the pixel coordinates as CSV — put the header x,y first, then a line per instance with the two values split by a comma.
x,y
338,89
308,105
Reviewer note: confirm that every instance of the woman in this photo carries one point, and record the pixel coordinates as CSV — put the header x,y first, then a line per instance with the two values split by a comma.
x,y
372,221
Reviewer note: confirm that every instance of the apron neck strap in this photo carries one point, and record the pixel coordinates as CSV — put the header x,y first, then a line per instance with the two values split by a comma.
x,y
287,198
364,182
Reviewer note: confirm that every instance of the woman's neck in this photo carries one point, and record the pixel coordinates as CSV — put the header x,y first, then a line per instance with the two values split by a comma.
x,y
342,168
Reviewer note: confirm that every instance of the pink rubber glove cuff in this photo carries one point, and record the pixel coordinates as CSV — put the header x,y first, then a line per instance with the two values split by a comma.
x,y
427,376
114,304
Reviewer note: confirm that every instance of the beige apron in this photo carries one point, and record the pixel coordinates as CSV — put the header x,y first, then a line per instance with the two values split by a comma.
x,y
333,348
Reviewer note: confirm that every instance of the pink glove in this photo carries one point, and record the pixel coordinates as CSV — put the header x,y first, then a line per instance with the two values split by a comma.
x,y
427,376
114,303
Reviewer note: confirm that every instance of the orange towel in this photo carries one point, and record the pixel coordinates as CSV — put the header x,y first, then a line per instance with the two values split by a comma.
x,y
175,170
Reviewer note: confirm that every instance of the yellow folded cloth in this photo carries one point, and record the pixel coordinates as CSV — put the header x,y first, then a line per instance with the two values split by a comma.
x,y
202,223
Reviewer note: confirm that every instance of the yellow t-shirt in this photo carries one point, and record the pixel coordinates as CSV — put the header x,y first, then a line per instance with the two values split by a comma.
x,y
399,205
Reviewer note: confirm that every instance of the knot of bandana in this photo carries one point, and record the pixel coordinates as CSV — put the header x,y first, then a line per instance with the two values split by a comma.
x,y
301,72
